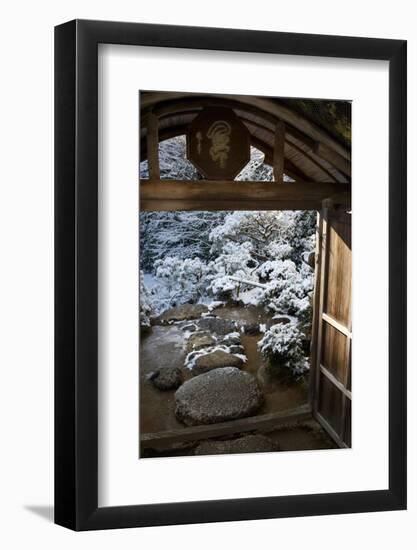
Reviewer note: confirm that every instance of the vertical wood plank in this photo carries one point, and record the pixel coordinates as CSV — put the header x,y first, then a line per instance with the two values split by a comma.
x,y
347,376
316,318
152,139
323,290
279,152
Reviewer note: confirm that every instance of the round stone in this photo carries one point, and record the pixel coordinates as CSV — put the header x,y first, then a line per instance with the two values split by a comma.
x,y
166,378
217,396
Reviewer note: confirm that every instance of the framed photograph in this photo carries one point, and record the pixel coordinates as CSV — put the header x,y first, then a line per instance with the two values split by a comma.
x,y
230,211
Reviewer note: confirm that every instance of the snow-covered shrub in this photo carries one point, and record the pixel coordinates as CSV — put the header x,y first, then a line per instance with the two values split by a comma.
x,y
288,289
184,280
256,170
251,246
301,233
173,162
180,234
279,250
261,228
235,260
145,308
282,345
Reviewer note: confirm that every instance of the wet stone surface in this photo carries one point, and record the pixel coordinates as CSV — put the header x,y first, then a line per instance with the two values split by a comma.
x,y
166,378
218,325
217,396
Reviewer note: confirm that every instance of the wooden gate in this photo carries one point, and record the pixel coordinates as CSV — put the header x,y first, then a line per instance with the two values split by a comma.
x,y
330,385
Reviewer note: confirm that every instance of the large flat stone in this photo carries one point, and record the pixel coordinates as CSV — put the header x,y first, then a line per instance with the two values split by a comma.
x,y
217,396
185,312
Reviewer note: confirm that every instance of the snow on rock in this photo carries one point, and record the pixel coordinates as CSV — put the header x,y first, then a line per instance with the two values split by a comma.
x,y
233,338
214,360
213,304
228,351
199,340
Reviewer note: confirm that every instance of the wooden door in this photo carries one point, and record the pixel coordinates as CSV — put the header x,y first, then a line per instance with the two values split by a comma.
x,y
331,395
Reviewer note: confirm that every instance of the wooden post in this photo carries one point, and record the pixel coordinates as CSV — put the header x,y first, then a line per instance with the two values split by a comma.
x,y
316,315
326,206
153,146
279,152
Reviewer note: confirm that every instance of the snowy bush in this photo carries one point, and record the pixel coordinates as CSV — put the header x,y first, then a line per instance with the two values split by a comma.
x,y
289,289
235,260
300,233
262,229
145,304
173,162
282,344
256,170
180,234
184,280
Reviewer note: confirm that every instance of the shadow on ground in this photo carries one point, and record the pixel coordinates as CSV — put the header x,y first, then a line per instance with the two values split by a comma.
x,y
45,512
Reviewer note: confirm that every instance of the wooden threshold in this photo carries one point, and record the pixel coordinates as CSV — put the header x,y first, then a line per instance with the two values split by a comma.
x,y
252,423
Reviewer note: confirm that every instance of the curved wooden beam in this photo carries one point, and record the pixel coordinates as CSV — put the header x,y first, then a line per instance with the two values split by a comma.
x,y
267,105
196,103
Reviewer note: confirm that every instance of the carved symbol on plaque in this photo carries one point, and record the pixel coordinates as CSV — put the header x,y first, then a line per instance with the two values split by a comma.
x,y
218,143
219,134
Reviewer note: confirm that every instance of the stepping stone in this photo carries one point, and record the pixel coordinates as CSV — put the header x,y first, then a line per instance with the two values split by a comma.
x,y
199,340
166,378
217,396
185,312
217,325
233,338
216,360
245,444
237,349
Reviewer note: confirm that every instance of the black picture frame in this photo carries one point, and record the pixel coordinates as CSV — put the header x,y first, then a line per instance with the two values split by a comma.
x,y
76,270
